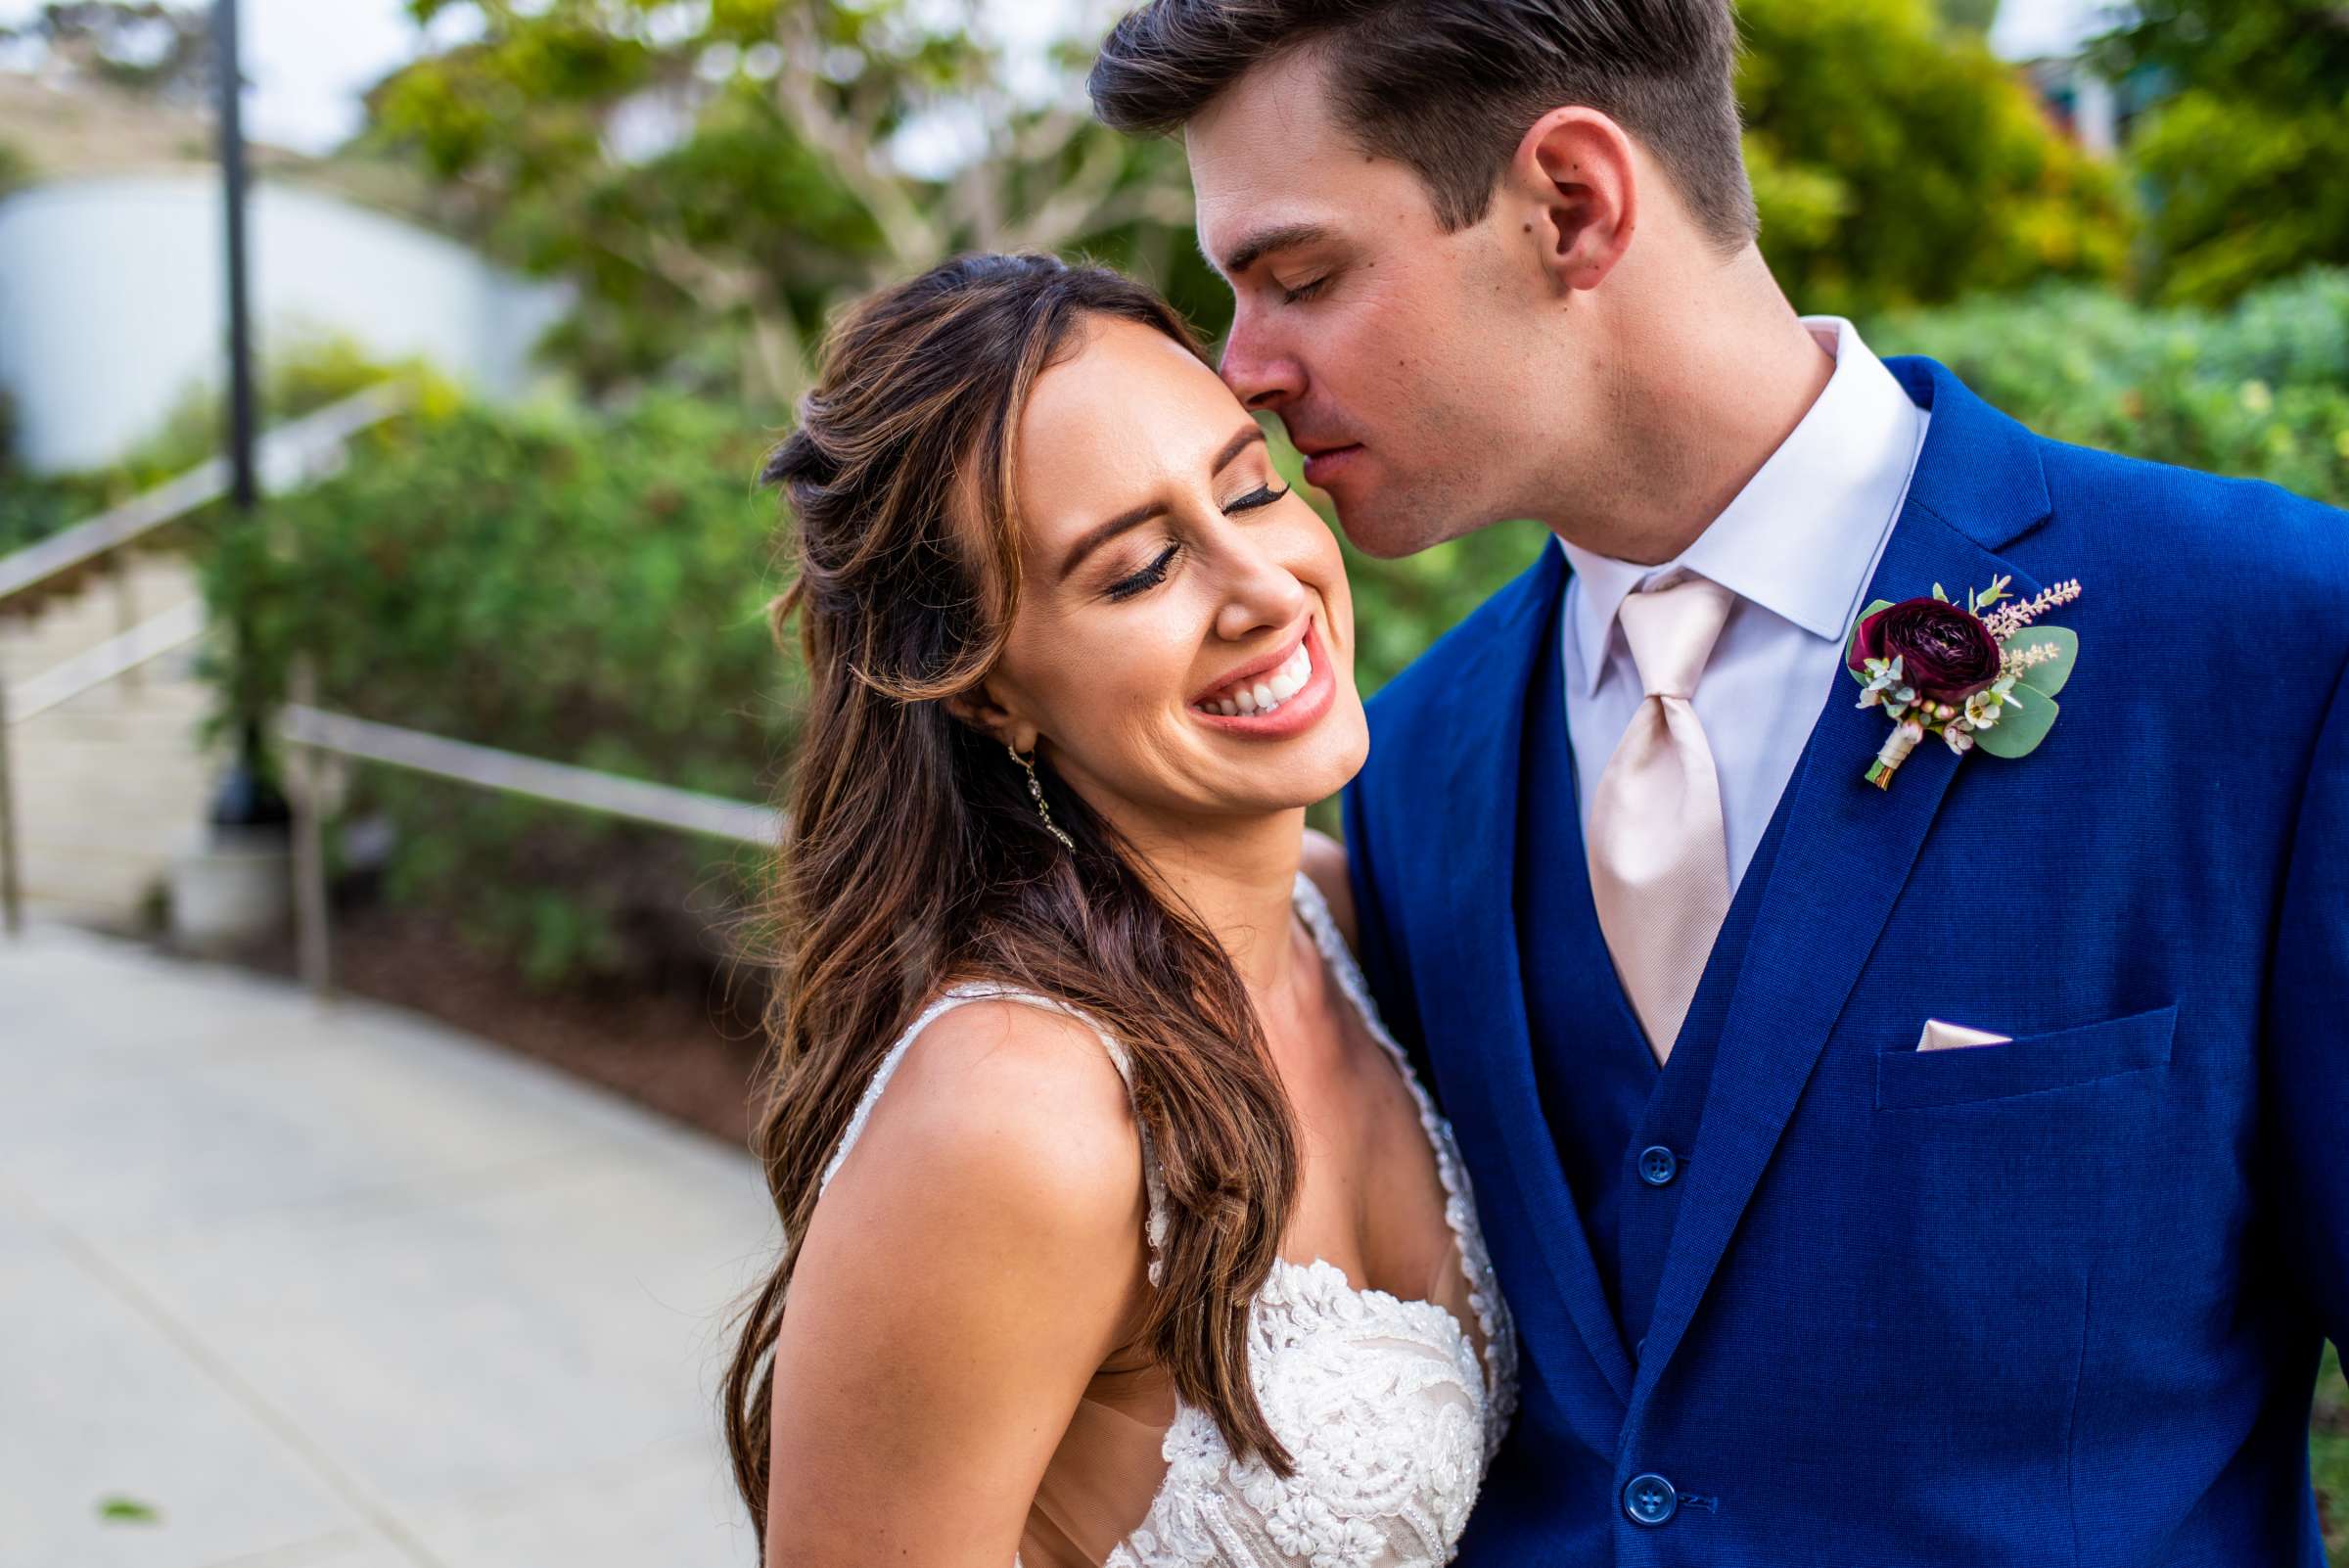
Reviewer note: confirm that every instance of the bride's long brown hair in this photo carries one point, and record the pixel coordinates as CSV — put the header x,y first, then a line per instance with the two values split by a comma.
x,y
913,856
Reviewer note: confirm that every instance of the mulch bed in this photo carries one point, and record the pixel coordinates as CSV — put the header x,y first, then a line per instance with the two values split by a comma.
x,y
685,1047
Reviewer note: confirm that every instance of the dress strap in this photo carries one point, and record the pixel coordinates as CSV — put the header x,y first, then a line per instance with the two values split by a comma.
x,y
1154,1183
1459,1203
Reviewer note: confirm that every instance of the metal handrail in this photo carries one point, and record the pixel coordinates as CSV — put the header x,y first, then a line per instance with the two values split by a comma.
x,y
290,456
311,732
111,658
513,773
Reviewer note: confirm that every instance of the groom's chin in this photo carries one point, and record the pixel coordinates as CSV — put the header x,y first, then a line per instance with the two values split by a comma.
x,y
1389,533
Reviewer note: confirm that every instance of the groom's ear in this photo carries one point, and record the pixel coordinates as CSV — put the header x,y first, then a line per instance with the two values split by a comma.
x,y
1575,181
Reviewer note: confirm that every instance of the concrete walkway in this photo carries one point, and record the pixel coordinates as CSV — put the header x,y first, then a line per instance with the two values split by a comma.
x,y
342,1288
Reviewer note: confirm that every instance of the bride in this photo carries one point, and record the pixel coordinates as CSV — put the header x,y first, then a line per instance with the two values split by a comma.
x,y
1118,1229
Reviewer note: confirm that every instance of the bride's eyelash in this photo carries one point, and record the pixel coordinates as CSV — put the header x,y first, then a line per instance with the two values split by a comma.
x,y
1262,495
1148,577
1151,576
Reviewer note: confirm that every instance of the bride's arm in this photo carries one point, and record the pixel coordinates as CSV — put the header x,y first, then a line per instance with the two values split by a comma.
x,y
977,1258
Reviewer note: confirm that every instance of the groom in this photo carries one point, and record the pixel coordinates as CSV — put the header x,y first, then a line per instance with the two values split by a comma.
x,y
1952,1172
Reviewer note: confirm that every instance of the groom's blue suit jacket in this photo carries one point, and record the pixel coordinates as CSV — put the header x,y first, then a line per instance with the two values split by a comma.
x,y
1840,1302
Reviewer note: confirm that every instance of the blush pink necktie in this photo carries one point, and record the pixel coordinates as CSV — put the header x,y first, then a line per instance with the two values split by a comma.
x,y
1659,859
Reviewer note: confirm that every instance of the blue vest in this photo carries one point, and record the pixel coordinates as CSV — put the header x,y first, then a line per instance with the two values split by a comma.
x,y
1623,1127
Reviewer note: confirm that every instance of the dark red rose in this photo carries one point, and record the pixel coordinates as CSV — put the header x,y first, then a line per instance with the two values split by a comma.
x,y
1944,653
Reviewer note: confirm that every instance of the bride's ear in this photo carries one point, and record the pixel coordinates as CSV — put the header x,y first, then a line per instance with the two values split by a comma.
x,y
1575,182
980,711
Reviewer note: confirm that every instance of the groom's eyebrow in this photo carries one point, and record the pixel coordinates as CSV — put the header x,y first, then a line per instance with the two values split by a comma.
x,y
1134,517
1264,242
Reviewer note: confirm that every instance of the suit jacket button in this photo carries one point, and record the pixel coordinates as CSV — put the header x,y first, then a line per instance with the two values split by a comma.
x,y
1651,1501
1658,1165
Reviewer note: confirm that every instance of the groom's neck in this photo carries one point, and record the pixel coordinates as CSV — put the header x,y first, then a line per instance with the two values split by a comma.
x,y
1716,370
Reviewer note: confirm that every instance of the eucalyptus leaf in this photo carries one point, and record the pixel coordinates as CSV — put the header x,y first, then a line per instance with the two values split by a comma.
x,y
2021,726
2049,678
1853,646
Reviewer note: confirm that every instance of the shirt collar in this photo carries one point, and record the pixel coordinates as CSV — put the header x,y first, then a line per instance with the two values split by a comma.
x,y
1800,537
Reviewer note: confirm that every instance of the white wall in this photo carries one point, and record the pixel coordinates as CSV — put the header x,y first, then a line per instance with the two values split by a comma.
x,y
112,308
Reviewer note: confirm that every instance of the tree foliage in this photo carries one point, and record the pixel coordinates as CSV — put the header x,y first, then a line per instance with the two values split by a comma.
x,y
714,175
1897,162
2244,161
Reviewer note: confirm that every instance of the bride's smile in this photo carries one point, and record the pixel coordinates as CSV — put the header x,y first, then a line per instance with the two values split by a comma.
x,y
1278,696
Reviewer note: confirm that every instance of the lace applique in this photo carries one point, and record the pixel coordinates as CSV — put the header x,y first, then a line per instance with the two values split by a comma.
x,y
1382,1406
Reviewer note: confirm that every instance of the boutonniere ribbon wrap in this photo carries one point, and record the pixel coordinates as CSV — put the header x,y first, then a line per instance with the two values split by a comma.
x,y
1975,676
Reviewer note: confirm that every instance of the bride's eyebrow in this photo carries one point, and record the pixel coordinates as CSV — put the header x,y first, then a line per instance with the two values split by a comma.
x,y
1134,517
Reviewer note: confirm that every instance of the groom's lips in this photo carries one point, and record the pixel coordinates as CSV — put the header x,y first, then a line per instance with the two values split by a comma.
x,y
1327,464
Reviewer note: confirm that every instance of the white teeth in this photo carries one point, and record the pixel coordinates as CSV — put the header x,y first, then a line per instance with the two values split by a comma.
x,y
1265,695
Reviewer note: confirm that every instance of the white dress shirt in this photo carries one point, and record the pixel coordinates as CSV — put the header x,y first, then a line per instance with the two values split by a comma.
x,y
1796,547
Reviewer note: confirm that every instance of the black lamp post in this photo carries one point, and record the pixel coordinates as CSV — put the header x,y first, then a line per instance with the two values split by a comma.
x,y
246,797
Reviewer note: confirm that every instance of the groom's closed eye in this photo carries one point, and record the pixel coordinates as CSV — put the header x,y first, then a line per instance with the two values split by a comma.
x,y
1270,242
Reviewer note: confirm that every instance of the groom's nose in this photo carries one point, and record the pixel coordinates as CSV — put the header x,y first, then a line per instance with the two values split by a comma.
x,y
1260,374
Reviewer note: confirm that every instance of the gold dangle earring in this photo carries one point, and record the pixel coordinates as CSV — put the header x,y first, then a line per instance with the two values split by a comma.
x,y
1035,790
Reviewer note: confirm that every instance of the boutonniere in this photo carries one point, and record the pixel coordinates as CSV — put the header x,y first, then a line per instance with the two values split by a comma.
x,y
1975,677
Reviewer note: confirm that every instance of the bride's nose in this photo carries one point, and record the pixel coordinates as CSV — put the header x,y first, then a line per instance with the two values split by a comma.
x,y
1261,595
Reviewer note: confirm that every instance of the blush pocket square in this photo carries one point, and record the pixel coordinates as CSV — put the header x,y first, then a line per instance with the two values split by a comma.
x,y
1942,1036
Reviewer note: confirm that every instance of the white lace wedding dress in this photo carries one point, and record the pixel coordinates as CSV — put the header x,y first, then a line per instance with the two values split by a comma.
x,y
1391,1409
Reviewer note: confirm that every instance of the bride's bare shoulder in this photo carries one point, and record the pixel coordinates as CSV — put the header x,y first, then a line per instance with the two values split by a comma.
x,y
1005,1116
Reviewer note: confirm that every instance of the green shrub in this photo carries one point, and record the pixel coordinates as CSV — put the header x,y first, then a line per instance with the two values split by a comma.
x,y
2261,390
585,589
302,377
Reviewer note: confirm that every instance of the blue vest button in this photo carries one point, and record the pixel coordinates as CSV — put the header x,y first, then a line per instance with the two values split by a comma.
x,y
1658,1165
1651,1501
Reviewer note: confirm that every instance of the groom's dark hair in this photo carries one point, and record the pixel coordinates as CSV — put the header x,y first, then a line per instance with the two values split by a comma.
x,y
1448,87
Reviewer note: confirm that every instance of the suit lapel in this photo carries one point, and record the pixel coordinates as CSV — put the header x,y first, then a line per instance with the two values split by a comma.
x,y
1471,973
1848,849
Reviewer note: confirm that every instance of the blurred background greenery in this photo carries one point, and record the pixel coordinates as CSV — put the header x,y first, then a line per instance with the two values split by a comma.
x,y
585,581
2138,242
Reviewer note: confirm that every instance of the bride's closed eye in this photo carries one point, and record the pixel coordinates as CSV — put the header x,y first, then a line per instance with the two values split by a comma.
x,y
1148,577
1151,576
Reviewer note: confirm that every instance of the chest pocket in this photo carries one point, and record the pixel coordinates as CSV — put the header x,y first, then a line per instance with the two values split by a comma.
x,y
1908,1080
